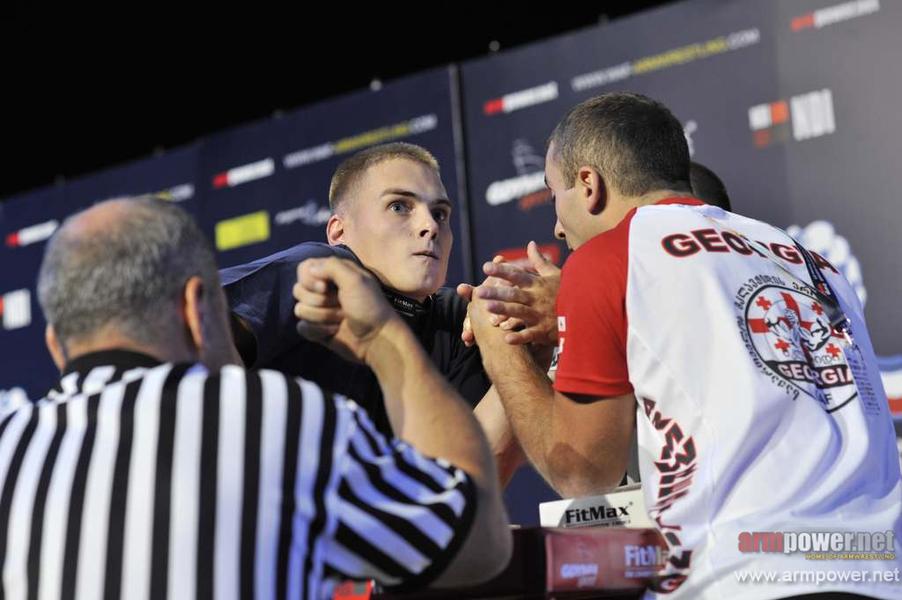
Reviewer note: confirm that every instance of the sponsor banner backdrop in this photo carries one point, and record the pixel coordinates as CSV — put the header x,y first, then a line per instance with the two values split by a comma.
x,y
838,73
170,175
239,178
682,55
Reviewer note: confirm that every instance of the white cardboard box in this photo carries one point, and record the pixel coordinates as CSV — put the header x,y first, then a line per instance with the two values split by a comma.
x,y
624,507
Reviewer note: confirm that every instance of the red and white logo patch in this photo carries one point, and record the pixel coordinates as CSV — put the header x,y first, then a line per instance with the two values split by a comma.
x,y
790,333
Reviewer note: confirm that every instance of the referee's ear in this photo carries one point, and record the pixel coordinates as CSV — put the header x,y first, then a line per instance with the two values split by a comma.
x,y
54,347
194,309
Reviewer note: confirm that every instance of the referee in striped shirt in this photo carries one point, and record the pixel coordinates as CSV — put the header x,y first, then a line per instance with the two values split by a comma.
x,y
157,469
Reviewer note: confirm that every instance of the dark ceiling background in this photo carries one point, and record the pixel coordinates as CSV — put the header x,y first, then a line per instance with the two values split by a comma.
x,y
80,96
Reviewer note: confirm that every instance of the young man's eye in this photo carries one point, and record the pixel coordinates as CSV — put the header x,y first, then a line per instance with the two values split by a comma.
x,y
398,207
441,215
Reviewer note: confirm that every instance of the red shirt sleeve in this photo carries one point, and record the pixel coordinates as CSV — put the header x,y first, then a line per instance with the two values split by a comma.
x,y
592,320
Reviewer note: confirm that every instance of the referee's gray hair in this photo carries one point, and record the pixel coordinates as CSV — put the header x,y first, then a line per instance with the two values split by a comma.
x,y
126,274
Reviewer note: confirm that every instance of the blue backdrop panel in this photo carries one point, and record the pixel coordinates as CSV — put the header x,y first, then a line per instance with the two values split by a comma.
x,y
171,175
25,224
701,58
839,74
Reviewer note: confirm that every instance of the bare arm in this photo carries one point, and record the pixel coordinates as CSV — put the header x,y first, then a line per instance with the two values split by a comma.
x,y
490,412
507,452
579,444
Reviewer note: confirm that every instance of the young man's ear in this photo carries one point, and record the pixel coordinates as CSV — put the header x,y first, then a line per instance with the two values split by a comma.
x,y
592,189
335,230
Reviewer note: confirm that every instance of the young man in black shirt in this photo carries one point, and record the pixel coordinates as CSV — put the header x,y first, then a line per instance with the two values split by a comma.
x,y
390,214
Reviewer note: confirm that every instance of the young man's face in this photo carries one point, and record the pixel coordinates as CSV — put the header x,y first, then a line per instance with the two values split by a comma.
x,y
397,220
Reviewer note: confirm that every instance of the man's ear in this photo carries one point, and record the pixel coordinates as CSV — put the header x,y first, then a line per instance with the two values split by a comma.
x,y
335,230
193,312
55,347
593,189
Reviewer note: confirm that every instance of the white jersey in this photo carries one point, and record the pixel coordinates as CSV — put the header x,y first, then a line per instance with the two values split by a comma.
x,y
754,415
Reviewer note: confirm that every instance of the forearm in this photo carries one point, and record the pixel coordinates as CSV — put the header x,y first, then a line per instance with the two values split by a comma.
x,y
580,448
502,441
527,396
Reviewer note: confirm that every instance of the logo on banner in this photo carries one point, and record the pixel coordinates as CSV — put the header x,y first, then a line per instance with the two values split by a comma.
x,y
387,133
177,193
15,309
834,14
244,174
526,159
788,334
667,59
242,230
521,99
528,187
311,214
803,117
31,234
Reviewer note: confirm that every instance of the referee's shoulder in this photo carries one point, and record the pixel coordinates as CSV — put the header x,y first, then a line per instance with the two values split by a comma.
x,y
266,380
261,384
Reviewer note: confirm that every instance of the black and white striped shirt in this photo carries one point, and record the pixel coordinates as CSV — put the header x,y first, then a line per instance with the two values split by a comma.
x,y
135,479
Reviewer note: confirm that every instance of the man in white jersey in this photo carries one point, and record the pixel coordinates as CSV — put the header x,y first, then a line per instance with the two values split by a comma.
x,y
156,469
743,362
